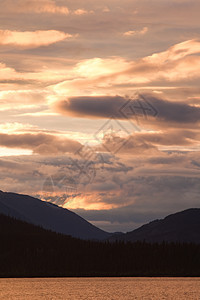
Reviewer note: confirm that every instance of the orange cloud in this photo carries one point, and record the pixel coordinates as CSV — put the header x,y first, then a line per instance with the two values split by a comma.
x,y
42,6
89,201
136,32
81,11
176,52
32,39
22,99
6,72
100,76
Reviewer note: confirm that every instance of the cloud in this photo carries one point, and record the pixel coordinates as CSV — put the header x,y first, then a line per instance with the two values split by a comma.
x,y
175,52
178,112
142,107
82,11
33,77
39,143
176,64
132,145
172,137
176,67
90,107
149,143
22,98
42,6
62,96
97,67
138,189
151,189
32,39
7,73
136,32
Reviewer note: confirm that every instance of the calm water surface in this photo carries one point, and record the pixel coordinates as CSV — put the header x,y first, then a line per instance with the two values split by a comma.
x,y
100,288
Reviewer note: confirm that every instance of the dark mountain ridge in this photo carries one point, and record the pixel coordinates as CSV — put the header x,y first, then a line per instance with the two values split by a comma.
x,y
182,227
49,216
27,250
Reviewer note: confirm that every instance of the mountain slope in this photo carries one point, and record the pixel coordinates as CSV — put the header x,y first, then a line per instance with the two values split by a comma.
x,y
27,250
179,227
49,216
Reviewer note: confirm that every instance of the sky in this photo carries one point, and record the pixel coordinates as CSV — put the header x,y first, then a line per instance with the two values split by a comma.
x,y
100,106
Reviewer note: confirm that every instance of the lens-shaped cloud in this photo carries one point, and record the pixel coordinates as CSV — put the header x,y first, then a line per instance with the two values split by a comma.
x,y
32,39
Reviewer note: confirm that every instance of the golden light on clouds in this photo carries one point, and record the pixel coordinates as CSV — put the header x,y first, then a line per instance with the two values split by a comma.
x,y
88,202
175,52
32,39
98,67
5,152
69,70
81,11
136,32
42,6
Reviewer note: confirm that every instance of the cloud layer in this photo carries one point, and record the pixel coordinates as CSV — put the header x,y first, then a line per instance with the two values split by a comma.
x,y
28,39
42,6
40,143
129,109
100,106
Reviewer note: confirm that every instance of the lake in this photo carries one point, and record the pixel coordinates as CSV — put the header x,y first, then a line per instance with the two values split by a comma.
x,y
100,288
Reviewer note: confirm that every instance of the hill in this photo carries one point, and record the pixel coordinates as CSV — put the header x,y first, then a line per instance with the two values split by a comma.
x,y
181,227
27,250
49,216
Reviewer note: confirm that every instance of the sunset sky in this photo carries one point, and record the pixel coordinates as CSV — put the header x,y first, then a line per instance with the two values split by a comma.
x,y
100,106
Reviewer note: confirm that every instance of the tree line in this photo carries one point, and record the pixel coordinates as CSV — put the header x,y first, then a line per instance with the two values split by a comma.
x,y
27,250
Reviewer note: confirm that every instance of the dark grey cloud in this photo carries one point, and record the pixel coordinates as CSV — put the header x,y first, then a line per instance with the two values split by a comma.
x,y
142,108
91,107
179,112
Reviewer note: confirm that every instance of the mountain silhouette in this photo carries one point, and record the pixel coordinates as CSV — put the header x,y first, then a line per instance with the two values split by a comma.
x,y
180,227
28,250
183,227
48,216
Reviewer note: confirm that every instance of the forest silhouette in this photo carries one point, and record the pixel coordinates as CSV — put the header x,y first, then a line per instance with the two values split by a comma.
x,y
27,250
